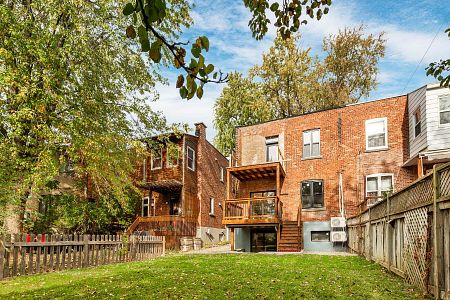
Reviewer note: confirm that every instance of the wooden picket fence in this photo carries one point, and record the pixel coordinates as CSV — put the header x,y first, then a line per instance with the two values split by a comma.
x,y
409,232
23,254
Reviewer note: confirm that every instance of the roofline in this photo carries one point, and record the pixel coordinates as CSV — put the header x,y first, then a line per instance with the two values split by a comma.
x,y
326,109
214,147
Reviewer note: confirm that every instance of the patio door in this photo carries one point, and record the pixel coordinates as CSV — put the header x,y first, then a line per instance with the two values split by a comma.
x,y
263,240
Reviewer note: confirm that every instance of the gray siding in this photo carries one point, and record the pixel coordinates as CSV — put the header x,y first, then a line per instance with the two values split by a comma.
x,y
416,100
438,136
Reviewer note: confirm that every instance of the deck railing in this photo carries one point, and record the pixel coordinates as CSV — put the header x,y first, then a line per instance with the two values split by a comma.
x,y
263,209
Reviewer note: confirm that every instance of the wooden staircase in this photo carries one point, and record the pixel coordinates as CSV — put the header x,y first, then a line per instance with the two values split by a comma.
x,y
290,237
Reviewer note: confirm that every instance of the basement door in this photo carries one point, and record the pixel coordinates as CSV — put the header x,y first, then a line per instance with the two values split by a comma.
x,y
263,239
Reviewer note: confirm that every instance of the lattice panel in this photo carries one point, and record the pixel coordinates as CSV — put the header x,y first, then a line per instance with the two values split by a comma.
x,y
378,211
420,193
445,182
415,252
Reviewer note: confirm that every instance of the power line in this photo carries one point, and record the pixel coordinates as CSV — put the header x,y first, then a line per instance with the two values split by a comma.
x,y
415,70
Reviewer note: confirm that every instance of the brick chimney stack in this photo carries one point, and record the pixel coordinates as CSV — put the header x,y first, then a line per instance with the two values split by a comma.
x,y
200,130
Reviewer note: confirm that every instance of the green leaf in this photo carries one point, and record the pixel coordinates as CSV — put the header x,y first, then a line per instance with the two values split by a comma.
x,y
215,75
142,33
274,6
196,50
209,68
128,9
199,92
201,61
183,92
155,52
205,43
145,45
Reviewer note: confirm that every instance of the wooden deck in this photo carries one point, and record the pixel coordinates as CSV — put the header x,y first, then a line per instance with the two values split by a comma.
x,y
252,211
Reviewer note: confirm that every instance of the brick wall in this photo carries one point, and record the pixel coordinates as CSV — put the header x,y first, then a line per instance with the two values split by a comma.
x,y
342,151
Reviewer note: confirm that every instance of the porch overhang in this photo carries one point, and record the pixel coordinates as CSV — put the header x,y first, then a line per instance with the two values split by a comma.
x,y
163,186
257,171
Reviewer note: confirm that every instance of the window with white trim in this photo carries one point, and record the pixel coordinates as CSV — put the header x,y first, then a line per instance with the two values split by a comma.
x,y
156,162
417,119
272,148
173,153
190,153
444,109
222,175
145,206
211,206
376,134
311,143
378,185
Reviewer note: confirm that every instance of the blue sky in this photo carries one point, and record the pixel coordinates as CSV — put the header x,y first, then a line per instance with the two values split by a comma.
x,y
410,27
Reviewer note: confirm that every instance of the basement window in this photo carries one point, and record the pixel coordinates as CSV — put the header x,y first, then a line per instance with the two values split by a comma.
x,y
320,236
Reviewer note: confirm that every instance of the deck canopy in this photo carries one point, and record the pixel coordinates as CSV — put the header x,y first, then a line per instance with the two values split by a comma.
x,y
258,171
163,186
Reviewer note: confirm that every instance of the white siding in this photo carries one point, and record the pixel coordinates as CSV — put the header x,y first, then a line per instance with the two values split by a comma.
x,y
417,99
438,136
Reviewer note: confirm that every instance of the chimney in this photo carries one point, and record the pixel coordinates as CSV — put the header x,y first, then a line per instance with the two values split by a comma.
x,y
200,130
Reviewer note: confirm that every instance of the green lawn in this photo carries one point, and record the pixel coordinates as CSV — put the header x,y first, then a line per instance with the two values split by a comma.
x,y
236,276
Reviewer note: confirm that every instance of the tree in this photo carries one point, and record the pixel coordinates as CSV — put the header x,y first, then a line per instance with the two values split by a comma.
x,y
148,15
240,103
351,64
290,78
290,82
73,89
441,70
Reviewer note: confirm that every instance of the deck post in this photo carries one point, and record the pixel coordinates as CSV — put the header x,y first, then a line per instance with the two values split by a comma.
x,y
232,238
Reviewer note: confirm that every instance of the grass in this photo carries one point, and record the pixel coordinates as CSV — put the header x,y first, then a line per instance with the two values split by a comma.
x,y
235,276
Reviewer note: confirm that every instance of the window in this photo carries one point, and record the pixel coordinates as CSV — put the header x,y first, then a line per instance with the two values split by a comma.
x,y
272,148
311,143
222,175
173,153
312,194
417,118
145,206
190,158
444,109
144,170
211,206
378,185
156,159
320,236
376,134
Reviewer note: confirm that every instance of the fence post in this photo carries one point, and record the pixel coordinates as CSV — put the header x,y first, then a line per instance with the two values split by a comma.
x,y
435,242
388,231
86,250
164,246
370,235
2,255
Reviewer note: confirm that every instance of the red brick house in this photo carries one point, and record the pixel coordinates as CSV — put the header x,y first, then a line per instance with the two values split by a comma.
x,y
291,176
184,189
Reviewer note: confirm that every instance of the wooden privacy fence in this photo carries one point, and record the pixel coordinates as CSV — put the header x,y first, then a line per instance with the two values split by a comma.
x,y
23,254
409,232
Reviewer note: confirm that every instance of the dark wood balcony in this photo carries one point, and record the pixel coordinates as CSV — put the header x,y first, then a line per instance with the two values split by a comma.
x,y
252,211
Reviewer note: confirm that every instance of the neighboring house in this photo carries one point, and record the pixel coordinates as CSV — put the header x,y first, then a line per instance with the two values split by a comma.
x,y
429,127
184,189
291,176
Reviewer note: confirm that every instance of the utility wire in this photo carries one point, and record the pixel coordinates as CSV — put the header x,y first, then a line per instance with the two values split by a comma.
x,y
415,70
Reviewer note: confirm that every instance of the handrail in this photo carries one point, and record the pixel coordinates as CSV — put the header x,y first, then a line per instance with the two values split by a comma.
x,y
248,208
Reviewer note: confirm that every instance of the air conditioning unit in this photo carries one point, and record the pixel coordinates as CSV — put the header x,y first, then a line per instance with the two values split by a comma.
x,y
337,222
339,236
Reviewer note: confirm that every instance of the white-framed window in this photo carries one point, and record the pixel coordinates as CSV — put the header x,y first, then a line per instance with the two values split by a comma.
x,y
417,119
272,148
311,143
172,156
376,134
144,170
444,109
156,162
146,206
190,154
377,185
211,206
222,174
